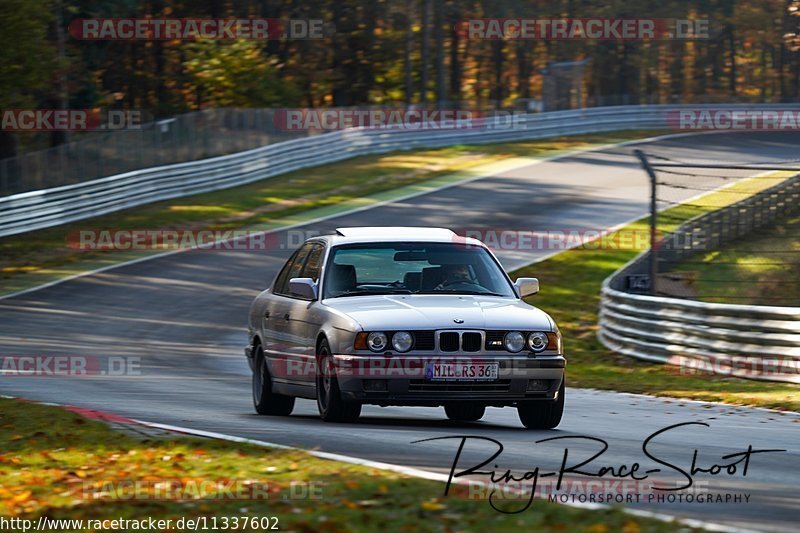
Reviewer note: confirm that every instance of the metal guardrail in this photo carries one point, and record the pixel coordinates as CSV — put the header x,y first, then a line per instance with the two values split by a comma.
x,y
40,209
29,211
99,153
758,342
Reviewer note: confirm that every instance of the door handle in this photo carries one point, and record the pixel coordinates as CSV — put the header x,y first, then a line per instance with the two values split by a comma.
x,y
286,316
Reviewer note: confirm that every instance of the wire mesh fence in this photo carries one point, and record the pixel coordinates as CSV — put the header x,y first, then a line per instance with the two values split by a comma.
x,y
725,232
193,136
98,154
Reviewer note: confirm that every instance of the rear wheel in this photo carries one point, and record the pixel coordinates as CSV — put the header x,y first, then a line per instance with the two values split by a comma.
x,y
332,408
465,412
542,414
265,401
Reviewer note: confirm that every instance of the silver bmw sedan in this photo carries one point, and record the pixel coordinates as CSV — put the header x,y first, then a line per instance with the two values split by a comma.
x,y
403,316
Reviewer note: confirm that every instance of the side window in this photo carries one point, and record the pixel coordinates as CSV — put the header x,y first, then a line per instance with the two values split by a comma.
x,y
292,270
282,281
299,261
314,263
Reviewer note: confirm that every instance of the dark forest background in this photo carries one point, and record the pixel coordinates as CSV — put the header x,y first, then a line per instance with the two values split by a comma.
x,y
389,52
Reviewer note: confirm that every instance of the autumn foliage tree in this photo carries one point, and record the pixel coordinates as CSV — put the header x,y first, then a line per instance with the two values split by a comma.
x,y
394,51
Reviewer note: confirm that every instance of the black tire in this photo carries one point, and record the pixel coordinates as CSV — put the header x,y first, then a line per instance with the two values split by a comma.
x,y
539,414
466,412
265,401
332,408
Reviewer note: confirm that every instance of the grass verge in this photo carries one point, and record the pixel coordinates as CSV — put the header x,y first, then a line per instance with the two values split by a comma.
x,y
42,256
764,269
571,284
57,464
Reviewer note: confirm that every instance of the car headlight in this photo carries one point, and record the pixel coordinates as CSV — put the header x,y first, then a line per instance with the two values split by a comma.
x,y
537,341
377,341
402,341
514,341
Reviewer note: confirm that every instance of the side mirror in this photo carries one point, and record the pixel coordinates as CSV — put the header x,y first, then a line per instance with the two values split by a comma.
x,y
526,286
303,287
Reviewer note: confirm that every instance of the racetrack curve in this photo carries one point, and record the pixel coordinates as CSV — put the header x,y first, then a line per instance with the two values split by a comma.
x,y
185,315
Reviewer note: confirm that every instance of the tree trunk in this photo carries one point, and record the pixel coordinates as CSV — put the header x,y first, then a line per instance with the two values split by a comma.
x,y
523,69
8,144
339,89
455,54
409,66
426,37
676,73
498,55
781,68
366,75
438,39
58,137
732,52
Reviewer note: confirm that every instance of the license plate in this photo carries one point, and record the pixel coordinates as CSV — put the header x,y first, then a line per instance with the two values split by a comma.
x,y
461,371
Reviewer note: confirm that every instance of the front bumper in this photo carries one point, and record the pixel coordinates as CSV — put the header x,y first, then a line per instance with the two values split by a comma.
x,y
520,378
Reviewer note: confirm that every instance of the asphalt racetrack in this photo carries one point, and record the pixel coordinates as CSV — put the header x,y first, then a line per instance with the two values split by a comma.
x,y
185,315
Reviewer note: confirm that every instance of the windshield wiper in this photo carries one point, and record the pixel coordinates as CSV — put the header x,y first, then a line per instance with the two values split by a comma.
x,y
455,291
373,293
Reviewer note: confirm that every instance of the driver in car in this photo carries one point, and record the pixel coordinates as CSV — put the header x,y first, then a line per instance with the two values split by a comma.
x,y
454,274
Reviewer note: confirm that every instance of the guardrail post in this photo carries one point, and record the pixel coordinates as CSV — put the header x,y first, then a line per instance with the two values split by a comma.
x,y
653,219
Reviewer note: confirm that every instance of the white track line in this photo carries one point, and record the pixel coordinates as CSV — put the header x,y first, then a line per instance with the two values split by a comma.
x,y
434,476
407,471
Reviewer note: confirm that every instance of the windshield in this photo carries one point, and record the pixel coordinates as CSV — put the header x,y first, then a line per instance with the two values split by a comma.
x,y
409,268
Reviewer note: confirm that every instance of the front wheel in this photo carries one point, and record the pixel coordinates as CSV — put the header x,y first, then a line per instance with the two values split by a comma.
x,y
332,408
542,414
465,412
265,401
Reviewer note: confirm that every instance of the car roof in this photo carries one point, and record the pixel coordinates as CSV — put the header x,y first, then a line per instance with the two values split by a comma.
x,y
378,234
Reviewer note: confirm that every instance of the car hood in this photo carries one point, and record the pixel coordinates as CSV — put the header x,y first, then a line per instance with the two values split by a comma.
x,y
434,311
